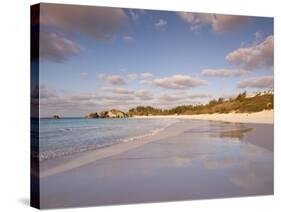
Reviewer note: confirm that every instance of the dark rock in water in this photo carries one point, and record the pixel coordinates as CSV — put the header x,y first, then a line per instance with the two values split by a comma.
x,y
92,116
56,117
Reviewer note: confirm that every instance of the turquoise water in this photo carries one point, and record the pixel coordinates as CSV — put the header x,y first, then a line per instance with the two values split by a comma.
x,y
60,137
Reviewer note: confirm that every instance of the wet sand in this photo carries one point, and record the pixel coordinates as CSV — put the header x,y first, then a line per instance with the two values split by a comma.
x,y
192,159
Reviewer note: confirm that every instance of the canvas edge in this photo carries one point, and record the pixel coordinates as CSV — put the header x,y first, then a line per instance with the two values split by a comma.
x,y
34,106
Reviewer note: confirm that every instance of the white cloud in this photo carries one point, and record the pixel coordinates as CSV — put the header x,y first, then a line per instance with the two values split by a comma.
x,y
94,22
67,105
223,72
144,81
81,103
182,96
128,38
82,97
146,74
161,24
136,14
171,97
199,96
118,90
179,82
112,79
132,76
44,92
56,48
224,23
257,82
120,98
196,20
258,36
219,23
144,95
97,98
117,98
254,57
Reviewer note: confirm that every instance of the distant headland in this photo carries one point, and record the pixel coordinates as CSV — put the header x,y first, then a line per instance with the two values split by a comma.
x,y
242,103
107,114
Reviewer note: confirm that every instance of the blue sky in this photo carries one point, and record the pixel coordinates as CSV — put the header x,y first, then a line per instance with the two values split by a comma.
x,y
93,58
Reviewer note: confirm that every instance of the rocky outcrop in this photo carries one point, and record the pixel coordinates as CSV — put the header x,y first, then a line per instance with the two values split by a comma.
x,y
116,114
104,114
92,116
108,114
56,117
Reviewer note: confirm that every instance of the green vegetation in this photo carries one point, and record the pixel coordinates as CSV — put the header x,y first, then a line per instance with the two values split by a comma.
x,y
144,111
239,104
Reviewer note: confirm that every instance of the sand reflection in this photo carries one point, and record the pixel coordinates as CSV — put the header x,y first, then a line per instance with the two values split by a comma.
x,y
193,160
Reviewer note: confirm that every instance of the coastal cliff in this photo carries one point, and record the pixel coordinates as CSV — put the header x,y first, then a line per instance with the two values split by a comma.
x,y
107,114
92,116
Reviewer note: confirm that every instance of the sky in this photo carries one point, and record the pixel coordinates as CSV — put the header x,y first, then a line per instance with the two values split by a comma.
x,y
98,58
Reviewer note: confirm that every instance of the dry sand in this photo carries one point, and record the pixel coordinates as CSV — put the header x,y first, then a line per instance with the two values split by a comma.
x,y
263,117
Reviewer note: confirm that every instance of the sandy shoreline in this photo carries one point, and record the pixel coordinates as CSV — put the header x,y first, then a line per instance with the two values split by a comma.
x,y
263,117
61,164
191,159
65,163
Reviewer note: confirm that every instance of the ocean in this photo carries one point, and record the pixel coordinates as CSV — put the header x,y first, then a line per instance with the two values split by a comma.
x,y
59,137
